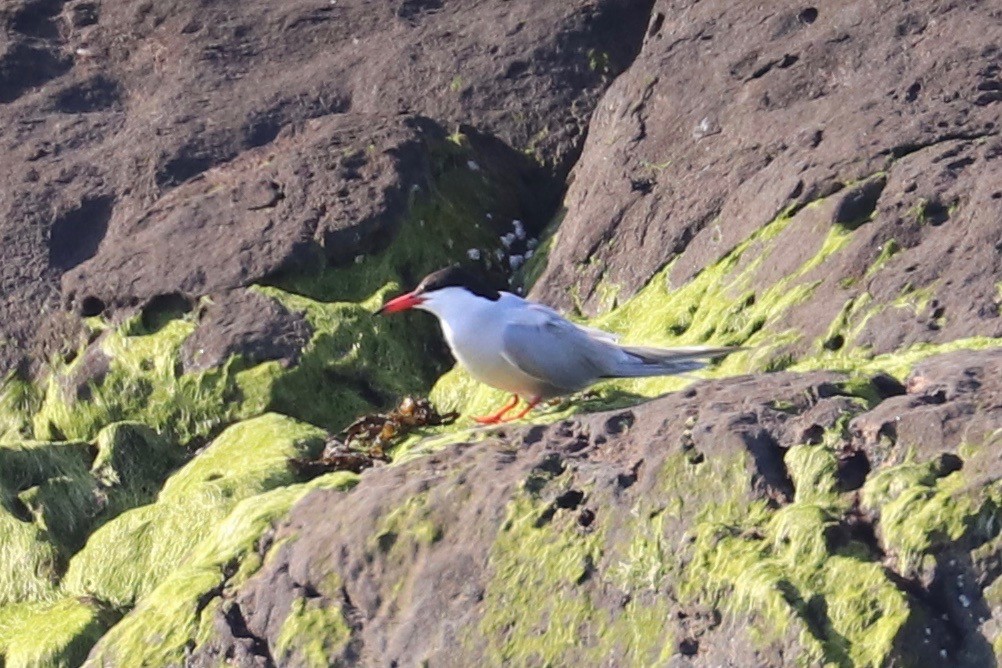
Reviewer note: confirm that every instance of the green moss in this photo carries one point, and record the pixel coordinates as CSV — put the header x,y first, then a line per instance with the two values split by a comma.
x,y
58,634
312,634
54,494
533,610
145,384
178,612
780,570
888,249
916,299
129,556
898,363
355,364
19,400
409,520
47,500
131,465
922,510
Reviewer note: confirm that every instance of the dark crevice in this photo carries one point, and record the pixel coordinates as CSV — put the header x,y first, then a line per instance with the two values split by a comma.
x,y
656,23
588,570
182,168
787,60
570,499
25,66
162,309
551,464
99,93
835,342
353,617
771,477
545,517
91,306
887,386
238,627
935,213
853,468
902,150
857,527
688,647
75,235
857,206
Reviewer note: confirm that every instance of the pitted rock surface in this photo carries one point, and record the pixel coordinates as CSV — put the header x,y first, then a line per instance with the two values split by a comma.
x,y
425,600
734,113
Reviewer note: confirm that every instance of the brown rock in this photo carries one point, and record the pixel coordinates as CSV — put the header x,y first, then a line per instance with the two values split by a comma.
x,y
248,324
105,108
735,112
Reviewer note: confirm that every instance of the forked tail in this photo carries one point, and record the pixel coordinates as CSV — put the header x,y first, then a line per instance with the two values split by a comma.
x,y
640,361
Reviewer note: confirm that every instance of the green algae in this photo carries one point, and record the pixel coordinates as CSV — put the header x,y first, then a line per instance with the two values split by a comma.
x,y
177,614
782,570
312,634
923,509
355,364
145,384
407,520
56,635
46,496
888,249
534,612
898,364
19,401
131,555
55,494
130,467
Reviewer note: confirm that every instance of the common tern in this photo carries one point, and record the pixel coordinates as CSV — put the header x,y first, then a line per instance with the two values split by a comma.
x,y
529,349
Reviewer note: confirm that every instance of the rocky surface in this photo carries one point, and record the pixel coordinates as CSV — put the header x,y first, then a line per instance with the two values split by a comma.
x,y
202,205
106,108
885,119
247,324
591,540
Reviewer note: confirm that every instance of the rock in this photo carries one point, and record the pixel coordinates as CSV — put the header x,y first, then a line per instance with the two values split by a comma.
x,y
953,400
833,113
472,553
108,109
335,187
248,324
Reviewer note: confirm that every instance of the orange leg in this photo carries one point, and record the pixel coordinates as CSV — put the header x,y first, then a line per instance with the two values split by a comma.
x,y
494,418
532,404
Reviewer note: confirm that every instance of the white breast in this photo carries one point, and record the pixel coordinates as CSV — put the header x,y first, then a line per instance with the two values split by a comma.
x,y
473,328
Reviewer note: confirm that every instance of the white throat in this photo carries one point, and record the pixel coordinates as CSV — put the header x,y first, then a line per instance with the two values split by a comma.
x,y
455,307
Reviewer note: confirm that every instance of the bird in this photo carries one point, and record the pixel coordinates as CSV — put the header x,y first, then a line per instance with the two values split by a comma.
x,y
527,348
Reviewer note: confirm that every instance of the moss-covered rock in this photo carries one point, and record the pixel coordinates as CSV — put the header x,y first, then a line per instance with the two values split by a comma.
x,y
52,635
131,555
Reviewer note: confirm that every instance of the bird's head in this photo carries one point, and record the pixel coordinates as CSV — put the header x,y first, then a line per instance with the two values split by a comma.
x,y
444,292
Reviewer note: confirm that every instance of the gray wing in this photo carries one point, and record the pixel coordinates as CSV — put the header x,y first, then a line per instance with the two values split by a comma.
x,y
555,351
593,332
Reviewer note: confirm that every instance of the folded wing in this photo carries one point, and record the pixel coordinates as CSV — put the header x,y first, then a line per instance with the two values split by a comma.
x,y
561,354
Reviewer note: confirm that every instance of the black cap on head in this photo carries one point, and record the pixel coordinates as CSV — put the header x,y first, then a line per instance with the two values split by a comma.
x,y
457,277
